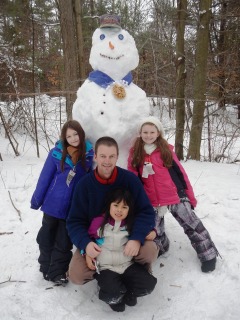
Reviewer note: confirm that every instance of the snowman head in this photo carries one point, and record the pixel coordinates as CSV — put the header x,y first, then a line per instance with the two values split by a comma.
x,y
113,52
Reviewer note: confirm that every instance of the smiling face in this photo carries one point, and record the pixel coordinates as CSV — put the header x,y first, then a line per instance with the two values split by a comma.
x,y
113,52
106,158
149,133
119,211
72,137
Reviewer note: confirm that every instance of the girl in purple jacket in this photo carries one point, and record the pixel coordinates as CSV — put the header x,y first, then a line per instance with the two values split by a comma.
x,y
120,279
168,187
67,162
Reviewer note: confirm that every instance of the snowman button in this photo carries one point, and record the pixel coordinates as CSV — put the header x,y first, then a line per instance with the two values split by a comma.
x,y
102,112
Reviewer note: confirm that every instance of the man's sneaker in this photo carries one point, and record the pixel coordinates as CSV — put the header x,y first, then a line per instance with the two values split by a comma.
x,y
60,279
130,299
119,307
209,266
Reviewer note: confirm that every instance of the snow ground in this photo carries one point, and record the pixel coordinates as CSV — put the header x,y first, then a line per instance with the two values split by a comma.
x,y
182,291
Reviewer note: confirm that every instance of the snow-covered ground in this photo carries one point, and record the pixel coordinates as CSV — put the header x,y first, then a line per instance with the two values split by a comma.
x,y
182,291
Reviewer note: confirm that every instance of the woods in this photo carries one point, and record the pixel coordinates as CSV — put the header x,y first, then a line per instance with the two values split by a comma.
x,y
189,54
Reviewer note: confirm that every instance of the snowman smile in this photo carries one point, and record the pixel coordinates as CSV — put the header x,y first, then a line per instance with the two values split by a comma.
x,y
111,58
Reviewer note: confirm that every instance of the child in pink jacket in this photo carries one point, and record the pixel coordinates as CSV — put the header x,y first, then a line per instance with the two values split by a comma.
x,y
168,187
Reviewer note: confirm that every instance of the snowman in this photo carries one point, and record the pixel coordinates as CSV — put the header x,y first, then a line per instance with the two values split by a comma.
x,y
108,102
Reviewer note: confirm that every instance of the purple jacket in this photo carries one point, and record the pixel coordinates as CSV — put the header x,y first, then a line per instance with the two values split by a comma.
x,y
162,187
52,193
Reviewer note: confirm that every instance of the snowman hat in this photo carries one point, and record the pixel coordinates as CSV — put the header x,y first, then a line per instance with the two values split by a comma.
x,y
110,21
153,120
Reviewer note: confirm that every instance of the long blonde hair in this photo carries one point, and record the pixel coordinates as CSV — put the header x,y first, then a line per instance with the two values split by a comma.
x,y
162,146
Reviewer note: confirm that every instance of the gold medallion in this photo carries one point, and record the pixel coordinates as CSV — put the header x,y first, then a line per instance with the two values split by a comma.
x,y
119,91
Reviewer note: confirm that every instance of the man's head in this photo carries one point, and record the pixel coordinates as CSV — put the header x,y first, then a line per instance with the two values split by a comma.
x,y
106,156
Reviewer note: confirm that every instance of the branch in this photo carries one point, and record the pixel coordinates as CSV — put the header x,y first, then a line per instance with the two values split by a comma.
x,y
9,280
18,211
2,233
174,285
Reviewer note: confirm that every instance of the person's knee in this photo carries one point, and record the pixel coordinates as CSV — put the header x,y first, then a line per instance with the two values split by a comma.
x,y
75,280
148,253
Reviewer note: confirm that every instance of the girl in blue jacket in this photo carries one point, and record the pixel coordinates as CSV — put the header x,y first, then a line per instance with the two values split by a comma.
x,y
66,164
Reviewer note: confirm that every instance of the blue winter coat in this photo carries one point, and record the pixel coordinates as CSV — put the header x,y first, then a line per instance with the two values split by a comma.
x,y
52,193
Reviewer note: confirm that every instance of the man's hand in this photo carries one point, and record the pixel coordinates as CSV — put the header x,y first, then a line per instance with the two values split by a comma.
x,y
93,250
132,248
151,236
90,262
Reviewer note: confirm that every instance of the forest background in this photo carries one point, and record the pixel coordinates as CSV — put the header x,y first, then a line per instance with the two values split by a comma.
x,y
189,65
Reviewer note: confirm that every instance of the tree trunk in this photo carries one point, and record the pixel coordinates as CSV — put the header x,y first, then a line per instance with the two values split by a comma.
x,y
222,56
80,43
181,76
71,83
200,79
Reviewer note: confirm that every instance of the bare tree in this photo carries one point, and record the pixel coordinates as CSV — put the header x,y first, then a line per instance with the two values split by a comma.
x,y
71,69
81,61
200,79
181,76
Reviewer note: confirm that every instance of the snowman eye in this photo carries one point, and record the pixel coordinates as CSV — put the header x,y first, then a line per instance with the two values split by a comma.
x,y
120,36
102,36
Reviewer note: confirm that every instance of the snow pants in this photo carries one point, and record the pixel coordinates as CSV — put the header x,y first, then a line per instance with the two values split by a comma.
x,y
55,247
79,273
193,228
135,280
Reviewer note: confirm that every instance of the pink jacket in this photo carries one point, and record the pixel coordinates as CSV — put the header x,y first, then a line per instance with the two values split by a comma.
x,y
160,187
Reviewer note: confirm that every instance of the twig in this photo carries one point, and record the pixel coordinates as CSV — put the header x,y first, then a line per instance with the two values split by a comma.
x,y
174,285
206,215
8,133
18,211
3,180
2,233
9,280
198,178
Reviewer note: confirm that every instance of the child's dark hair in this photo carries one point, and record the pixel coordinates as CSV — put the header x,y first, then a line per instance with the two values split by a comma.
x,y
74,125
118,195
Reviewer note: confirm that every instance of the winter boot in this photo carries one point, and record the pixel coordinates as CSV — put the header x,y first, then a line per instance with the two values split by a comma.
x,y
130,299
45,276
209,266
60,279
118,307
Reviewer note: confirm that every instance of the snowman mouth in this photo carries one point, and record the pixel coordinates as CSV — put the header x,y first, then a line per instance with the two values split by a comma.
x,y
111,58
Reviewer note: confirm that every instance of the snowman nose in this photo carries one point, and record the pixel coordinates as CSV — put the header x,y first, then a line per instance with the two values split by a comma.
x,y
111,46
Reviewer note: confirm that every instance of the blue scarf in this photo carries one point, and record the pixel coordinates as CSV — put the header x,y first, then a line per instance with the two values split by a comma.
x,y
103,80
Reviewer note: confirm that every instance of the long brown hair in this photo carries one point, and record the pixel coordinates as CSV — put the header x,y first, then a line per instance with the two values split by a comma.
x,y
74,125
162,146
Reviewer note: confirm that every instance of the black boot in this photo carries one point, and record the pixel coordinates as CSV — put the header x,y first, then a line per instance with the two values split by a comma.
x,y
209,266
118,307
61,279
130,299
45,276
